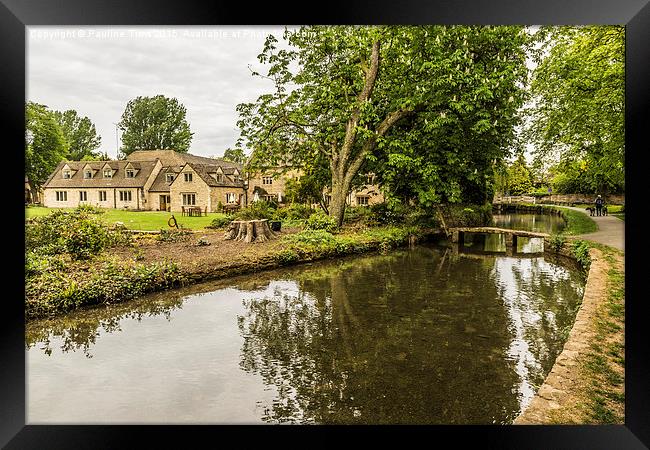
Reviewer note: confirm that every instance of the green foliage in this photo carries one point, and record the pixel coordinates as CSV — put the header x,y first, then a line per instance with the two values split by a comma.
x,y
360,215
89,209
256,210
457,215
173,235
154,123
579,91
429,108
77,233
60,290
557,242
581,252
314,238
235,155
45,144
80,134
321,221
387,214
297,211
517,179
220,222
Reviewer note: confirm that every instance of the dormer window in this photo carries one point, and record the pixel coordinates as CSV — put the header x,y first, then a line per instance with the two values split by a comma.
x,y
188,176
108,173
66,174
218,177
169,177
130,173
88,174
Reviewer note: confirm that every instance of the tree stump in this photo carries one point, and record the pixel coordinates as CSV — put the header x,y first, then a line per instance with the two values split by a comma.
x,y
249,231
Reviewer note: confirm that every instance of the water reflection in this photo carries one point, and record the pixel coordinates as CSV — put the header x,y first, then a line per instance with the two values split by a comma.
x,y
417,336
541,223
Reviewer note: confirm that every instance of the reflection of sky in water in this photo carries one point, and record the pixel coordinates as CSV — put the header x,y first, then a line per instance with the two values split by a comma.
x,y
524,312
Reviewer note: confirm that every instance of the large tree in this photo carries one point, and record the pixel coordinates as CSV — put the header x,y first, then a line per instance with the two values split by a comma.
x,y
79,133
155,123
45,144
235,155
398,98
579,102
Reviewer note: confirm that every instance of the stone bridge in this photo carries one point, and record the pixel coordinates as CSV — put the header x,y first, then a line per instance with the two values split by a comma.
x,y
458,235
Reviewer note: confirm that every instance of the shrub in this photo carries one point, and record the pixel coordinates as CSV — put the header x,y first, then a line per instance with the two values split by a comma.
x,y
320,221
457,215
581,253
256,210
89,209
313,238
557,241
360,215
389,215
173,235
220,222
78,234
297,211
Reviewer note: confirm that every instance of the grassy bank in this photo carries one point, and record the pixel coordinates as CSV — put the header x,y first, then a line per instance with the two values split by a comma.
x,y
58,283
137,220
599,374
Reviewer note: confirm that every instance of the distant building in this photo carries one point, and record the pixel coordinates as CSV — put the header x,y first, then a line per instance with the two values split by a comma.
x,y
165,180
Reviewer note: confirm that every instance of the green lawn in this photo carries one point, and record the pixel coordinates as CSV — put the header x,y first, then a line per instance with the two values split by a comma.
x,y
138,220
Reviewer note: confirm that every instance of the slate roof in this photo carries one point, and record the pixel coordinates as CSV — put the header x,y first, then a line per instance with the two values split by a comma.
x,y
204,170
119,179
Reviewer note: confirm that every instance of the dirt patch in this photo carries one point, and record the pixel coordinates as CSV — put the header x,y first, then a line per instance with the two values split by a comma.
x,y
193,258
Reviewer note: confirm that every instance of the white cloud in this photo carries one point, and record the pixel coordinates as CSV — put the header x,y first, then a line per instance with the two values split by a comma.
x,y
97,70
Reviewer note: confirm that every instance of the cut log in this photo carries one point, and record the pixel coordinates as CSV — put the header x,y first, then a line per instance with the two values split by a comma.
x,y
250,231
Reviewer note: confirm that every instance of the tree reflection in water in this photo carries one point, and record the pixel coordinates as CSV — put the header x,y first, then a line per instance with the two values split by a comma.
x,y
386,340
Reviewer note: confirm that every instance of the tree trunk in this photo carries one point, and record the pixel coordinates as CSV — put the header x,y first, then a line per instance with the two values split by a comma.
x,y
337,205
249,231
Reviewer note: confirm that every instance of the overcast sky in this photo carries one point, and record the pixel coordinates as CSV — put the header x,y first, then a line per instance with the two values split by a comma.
x,y
97,70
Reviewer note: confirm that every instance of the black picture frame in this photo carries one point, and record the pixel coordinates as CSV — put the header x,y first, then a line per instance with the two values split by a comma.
x,y
16,15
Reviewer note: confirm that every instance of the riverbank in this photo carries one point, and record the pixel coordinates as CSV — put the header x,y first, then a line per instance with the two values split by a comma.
x,y
150,264
586,383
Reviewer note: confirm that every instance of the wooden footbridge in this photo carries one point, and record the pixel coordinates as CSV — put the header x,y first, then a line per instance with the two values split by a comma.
x,y
458,235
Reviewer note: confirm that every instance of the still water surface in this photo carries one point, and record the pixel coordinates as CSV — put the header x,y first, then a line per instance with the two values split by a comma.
x,y
424,336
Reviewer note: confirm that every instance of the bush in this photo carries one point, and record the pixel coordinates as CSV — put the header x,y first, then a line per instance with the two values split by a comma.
x,y
320,221
360,215
557,241
256,210
457,215
315,238
389,215
296,211
581,252
173,235
78,234
220,222
89,209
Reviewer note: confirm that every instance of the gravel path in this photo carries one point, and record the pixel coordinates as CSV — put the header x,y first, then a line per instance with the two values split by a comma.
x,y
611,230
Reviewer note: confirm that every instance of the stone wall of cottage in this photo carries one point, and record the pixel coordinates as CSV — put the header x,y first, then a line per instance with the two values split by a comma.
x,y
197,186
218,195
277,186
92,195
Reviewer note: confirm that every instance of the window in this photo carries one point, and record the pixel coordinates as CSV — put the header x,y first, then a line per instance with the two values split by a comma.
x,y
125,196
231,197
130,173
108,173
61,196
102,196
88,174
369,179
83,196
362,201
218,176
188,177
189,199
169,177
267,180
269,198
66,174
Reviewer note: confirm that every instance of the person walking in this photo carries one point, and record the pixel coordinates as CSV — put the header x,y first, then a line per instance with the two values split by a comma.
x,y
599,205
